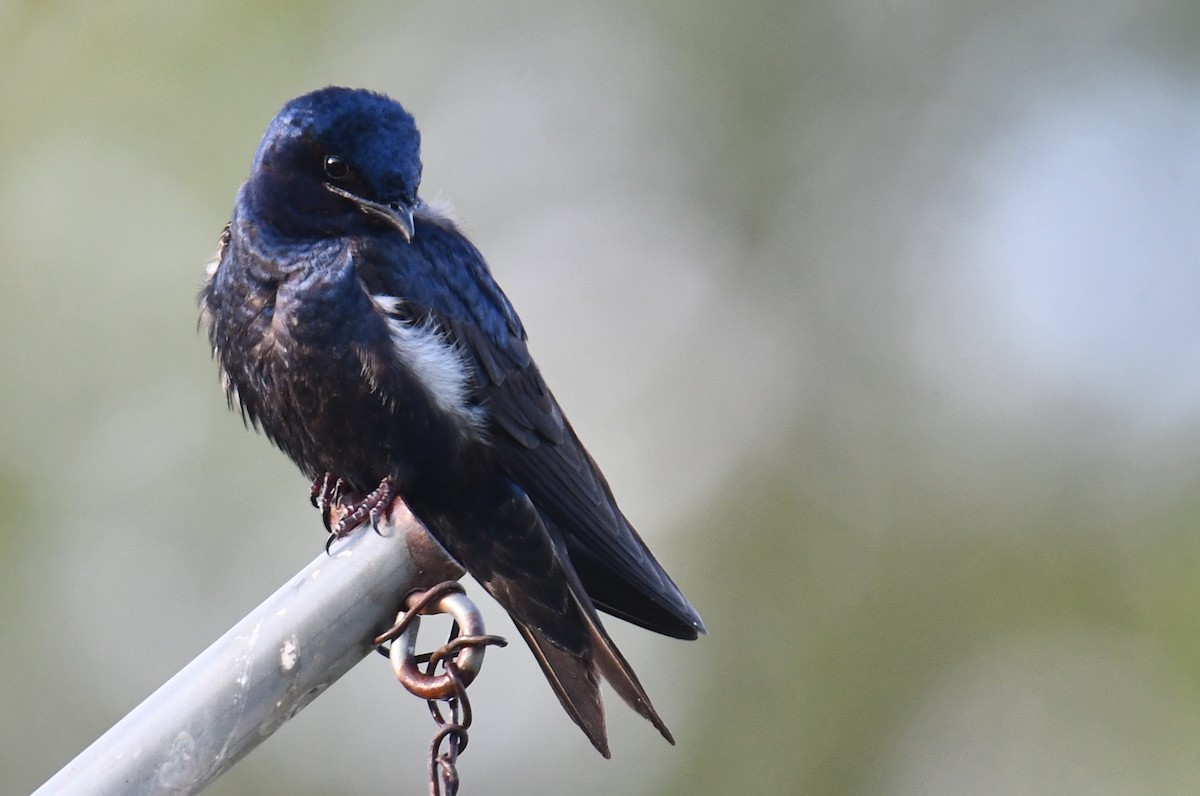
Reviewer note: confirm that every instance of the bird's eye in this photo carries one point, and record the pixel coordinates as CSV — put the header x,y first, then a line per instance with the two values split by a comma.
x,y
335,167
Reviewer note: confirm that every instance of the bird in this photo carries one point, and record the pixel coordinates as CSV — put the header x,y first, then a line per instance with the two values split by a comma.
x,y
357,327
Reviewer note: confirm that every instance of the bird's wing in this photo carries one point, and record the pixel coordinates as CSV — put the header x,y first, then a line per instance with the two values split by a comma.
x,y
441,277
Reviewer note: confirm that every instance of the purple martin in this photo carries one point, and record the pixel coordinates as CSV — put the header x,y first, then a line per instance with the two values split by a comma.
x,y
360,330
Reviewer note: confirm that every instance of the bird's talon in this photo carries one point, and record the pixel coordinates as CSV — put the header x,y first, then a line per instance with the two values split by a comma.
x,y
326,493
370,508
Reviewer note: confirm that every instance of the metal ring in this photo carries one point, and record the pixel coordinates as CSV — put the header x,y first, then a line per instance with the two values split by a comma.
x,y
467,661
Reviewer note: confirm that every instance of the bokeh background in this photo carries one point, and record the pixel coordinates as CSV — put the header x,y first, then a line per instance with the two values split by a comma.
x,y
883,319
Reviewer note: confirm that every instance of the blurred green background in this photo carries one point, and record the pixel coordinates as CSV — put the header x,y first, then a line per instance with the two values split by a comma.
x,y
882,319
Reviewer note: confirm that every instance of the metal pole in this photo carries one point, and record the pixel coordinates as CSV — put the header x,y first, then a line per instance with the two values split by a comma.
x,y
263,671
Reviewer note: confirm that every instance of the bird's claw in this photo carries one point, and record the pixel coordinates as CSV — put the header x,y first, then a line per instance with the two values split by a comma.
x,y
326,493
373,507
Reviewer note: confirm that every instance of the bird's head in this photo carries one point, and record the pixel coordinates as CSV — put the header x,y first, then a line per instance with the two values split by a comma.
x,y
337,161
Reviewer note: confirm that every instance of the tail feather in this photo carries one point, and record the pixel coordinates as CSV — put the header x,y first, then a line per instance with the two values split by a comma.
x,y
603,655
620,675
524,563
573,678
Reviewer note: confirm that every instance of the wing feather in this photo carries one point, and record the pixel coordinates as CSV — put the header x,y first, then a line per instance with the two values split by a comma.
x,y
533,442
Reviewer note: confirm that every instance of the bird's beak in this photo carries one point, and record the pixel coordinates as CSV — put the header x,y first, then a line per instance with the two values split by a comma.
x,y
397,214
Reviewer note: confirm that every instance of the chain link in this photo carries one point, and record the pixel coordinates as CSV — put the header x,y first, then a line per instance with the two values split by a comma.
x,y
460,658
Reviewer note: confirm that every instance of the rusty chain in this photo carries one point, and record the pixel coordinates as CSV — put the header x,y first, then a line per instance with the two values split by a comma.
x,y
460,658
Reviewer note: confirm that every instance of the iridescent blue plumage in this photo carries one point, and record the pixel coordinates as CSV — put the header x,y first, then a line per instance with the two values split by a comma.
x,y
364,334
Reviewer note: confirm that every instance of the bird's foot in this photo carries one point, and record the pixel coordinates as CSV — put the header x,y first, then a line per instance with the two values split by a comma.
x,y
326,493
374,506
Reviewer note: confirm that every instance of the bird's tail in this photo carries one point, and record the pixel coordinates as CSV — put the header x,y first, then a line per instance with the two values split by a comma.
x,y
575,676
520,557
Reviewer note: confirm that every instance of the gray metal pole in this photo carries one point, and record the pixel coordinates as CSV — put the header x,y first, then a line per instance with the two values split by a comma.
x,y
263,671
